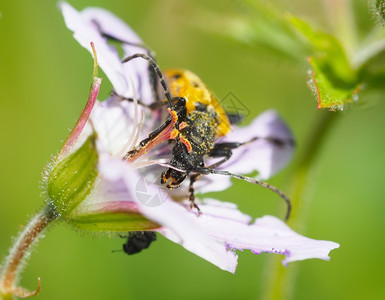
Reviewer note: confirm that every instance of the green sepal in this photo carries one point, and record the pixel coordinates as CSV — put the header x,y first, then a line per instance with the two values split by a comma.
x,y
72,179
113,222
333,80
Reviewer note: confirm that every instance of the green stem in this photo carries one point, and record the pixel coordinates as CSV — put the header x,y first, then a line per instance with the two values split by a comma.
x,y
364,55
280,280
339,13
18,253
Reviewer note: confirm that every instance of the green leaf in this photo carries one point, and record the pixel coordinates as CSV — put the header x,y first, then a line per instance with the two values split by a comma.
x,y
341,64
326,48
258,27
72,179
329,93
333,80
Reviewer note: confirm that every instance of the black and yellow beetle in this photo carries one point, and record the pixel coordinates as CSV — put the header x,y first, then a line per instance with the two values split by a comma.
x,y
196,120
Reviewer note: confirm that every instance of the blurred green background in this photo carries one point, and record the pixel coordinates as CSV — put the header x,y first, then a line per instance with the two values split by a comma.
x,y
44,83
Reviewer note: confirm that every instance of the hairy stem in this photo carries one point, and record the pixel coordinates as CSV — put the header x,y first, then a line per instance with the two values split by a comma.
x,y
280,280
14,262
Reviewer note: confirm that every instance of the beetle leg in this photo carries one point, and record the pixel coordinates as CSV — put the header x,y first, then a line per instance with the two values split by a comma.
x,y
219,150
191,190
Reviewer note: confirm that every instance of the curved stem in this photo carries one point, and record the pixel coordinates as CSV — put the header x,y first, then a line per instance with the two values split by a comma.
x,y
280,280
13,263
86,113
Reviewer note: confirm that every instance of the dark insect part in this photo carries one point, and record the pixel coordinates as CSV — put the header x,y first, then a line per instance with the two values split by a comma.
x,y
235,118
200,134
138,240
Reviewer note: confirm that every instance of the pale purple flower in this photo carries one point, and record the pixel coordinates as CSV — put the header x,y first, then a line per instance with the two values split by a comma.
x,y
222,228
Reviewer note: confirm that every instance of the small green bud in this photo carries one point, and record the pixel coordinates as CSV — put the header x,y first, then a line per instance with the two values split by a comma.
x,y
72,179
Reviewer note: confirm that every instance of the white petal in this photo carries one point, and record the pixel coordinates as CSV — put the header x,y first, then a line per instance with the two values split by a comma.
x,y
180,224
113,121
88,26
267,234
214,183
137,69
215,234
261,155
293,245
110,24
86,32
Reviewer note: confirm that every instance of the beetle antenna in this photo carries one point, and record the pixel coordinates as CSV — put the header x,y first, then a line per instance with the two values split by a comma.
x,y
158,72
253,181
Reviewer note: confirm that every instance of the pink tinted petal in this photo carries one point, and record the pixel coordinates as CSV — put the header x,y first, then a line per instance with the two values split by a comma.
x,y
110,24
212,183
265,157
207,184
213,235
180,225
224,210
295,246
266,234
